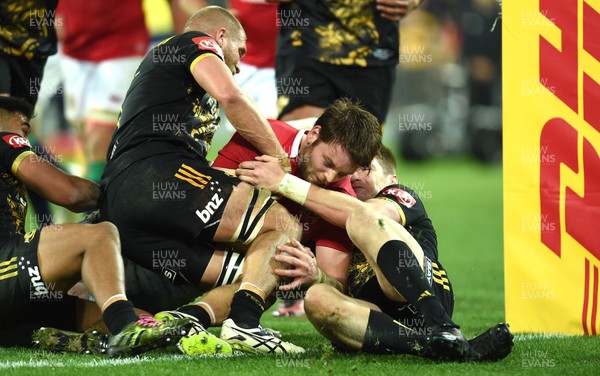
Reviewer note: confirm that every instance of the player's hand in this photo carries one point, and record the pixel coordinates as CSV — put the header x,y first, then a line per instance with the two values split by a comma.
x,y
285,164
264,172
302,266
395,10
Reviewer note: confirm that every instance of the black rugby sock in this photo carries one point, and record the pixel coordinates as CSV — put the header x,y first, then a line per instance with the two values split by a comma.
x,y
197,312
118,315
385,336
401,268
246,309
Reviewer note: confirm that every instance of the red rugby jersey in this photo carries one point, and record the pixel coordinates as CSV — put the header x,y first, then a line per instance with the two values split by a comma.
x,y
314,228
96,30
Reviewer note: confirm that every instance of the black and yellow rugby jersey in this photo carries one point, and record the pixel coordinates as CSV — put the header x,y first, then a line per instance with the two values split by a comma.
x,y
340,32
165,103
27,28
13,204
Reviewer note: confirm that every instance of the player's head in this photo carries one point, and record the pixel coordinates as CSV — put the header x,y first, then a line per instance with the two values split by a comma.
x,y
225,29
344,138
367,182
15,114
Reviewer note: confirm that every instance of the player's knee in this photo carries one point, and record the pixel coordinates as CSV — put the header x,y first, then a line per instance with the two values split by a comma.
x,y
358,220
317,302
105,232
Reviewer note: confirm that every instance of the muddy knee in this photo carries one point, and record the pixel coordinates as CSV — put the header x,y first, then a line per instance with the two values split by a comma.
x,y
317,302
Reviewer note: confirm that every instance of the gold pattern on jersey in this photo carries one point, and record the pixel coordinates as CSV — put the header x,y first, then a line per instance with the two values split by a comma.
x,y
8,268
334,38
29,236
190,175
360,272
206,112
15,201
18,17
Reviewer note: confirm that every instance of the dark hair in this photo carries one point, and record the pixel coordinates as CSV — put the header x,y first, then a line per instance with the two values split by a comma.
x,y
12,105
387,160
349,125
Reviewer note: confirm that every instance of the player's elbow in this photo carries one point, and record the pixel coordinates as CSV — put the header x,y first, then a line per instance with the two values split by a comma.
x,y
231,99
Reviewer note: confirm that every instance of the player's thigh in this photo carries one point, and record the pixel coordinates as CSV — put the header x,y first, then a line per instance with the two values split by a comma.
x,y
25,296
108,86
369,231
250,212
372,86
302,83
77,87
61,249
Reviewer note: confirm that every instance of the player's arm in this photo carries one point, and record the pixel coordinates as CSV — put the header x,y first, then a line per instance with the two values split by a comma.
x,y
214,77
228,171
56,186
334,207
334,265
395,10
304,270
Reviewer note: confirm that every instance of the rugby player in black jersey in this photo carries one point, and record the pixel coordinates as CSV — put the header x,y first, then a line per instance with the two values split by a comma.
x,y
399,298
163,196
38,267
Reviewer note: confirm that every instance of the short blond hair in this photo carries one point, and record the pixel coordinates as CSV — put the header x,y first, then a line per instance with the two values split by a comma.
x,y
210,19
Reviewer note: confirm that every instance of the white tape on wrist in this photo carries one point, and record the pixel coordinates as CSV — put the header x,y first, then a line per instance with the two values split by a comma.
x,y
294,188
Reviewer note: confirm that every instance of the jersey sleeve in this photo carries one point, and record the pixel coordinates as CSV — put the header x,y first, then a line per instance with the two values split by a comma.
x,y
194,46
328,235
331,236
407,202
236,151
13,150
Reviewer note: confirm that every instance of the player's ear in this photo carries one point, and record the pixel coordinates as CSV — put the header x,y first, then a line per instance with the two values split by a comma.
x,y
313,134
394,179
220,35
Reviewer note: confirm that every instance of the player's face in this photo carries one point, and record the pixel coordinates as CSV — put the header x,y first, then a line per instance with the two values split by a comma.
x,y
234,48
321,163
367,183
19,124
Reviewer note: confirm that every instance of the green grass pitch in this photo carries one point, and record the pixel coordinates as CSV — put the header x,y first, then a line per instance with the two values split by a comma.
x,y
464,200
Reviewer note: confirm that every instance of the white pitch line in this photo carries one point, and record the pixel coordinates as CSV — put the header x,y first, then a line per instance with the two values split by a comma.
x,y
92,363
525,337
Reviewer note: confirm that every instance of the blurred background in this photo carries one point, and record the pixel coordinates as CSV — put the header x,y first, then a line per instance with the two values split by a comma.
x,y
448,94
447,97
